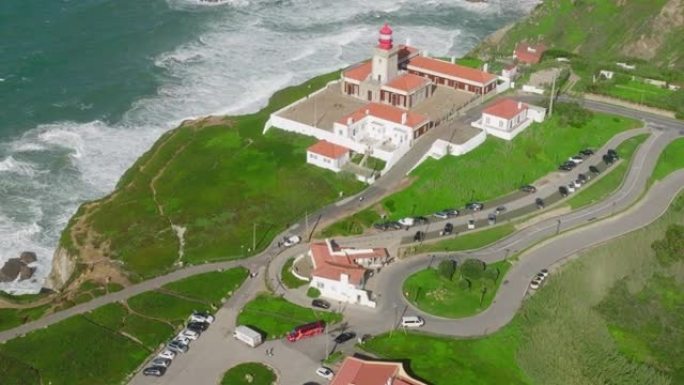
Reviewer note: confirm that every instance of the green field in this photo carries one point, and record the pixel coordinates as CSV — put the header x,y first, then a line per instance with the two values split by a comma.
x,y
467,241
355,224
107,344
10,318
609,183
454,181
458,297
251,373
288,279
612,316
670,160
275,317
217,181
210,287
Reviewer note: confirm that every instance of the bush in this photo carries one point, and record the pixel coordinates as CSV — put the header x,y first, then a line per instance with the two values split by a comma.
x,y
313,292
671,248
472,269
572,114
447,269
492,275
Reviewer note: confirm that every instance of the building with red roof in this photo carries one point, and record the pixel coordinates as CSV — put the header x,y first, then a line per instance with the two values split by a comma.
x,y
529,54
506,118
452,75
328,155
340,273
356,371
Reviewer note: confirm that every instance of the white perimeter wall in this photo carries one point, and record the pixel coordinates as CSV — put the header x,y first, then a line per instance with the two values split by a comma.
x,y
341,291
442,147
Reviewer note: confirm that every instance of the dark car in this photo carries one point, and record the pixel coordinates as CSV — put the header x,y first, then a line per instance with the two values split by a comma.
x,y
594,170
395,225
587,152
156,371
344,337
320,303
475,206
419,236
564,167
499,210
539,202
613,153
583,177
177,347
491,218
198,326
528,189
448,229
607,159
452,212
563,191
421,220
570,164
382,226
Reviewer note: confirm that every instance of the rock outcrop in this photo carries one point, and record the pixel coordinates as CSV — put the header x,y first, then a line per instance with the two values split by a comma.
x,y
18,268
63,266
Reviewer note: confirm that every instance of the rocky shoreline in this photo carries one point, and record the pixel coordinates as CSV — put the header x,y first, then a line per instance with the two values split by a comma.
x,y
19,269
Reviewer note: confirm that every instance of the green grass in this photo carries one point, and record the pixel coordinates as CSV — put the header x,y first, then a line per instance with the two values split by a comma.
x,y
454,181
334,358
471,62
312,292
434,294
288,279
609,183
215,181
10,318
444,361
638,92
150,332
164,306
251,373
110,316
671,160
275,316
355,224
76,351
467,241
210,287
15,372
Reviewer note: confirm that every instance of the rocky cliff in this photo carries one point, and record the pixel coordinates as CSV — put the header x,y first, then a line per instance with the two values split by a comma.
x,y
63,266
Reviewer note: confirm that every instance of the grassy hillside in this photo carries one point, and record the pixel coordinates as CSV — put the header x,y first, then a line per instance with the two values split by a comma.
x,y
649,30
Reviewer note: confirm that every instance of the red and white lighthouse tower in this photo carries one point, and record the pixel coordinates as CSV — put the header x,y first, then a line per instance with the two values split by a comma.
x,y
385,59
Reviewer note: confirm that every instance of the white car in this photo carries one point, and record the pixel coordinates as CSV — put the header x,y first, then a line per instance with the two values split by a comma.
x,y
408,221
571,187
534,285
189,334
576,159
441,215
577,184
167,354
182,340
412,321
325,372
163,362
291,240
471,224
544,272
201,317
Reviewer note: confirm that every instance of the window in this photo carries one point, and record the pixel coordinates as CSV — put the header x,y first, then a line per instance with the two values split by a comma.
x,y
487,119
500,123
319,284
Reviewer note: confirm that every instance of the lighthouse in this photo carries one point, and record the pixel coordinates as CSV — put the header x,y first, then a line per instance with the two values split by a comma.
x,y
385,58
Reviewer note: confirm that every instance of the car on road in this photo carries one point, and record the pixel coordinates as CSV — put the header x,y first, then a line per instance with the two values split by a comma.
x,y
325,372
200,316
564,167
344,337
419,236
570,164
163,362
577,159
167,354
607,159
544,272
500,210
447,230
491,218
364,338
197,326
291,240
320,303
394,225
534,285
471,224
421,220
563,191
528,189
382,226
177,347
612,153
577,183
191,335
182,340
587,152
539,202
408,221
452,212
156,371
441,215
583,177
594,170
475,206
412,321
571,187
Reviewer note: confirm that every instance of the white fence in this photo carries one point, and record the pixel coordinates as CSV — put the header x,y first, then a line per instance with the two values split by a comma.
x,y
441,147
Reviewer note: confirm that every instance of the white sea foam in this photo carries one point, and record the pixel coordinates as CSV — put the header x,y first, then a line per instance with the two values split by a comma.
x,y
250,48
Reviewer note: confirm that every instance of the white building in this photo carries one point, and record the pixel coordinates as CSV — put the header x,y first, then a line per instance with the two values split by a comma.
x,y
327,155
506,118
340,273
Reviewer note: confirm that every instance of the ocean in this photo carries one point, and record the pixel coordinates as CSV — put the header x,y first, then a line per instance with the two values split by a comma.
x,y
86,86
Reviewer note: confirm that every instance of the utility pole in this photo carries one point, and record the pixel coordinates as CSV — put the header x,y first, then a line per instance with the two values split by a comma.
x,y
254,238
553,92
558,227
306,221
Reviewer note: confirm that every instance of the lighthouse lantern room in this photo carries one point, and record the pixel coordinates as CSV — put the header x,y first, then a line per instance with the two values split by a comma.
x,y
385,59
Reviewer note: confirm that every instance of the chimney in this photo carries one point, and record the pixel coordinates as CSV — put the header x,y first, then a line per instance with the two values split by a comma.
x,y
485,68
367,111
453,59
349,121
404,115
519,105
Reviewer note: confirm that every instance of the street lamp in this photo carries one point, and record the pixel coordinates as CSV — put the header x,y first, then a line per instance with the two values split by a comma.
x,y
558,227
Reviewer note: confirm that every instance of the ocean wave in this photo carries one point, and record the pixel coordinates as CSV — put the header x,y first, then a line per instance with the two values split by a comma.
x,y
11,165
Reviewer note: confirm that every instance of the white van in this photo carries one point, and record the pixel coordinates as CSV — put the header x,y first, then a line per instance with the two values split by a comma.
x,y
412,321
247,335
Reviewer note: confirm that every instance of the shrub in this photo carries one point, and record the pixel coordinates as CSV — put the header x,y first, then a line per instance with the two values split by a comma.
x,y
671,248
472,269
447,268
313,292
572,114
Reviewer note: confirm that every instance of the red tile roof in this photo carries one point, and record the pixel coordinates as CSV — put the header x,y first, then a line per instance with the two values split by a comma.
x,y
355,371
506,108
419,63
530,54
331,261
327,149
359,72
386,112
408,82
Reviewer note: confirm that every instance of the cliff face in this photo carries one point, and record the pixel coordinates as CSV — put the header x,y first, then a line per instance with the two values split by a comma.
x,y
63,266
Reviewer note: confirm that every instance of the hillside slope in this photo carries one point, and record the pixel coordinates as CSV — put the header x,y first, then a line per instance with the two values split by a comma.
x,y
650,30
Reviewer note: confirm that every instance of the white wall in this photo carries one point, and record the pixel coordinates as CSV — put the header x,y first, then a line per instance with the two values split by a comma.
x,y
325,162
441,147
341,291
533,89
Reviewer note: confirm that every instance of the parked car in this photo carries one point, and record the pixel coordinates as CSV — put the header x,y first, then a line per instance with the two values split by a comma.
x,y
539,202
452,212
441,215
177,347
291,240
500,210
528,189
583,177
570,164
534,285
408,221
563,191
447,230
395,225
571,187
189,334
197,326
613,154
364,338
382,226
540,277
475,206
320,303
201,317
182,340
564,167
587,152
421,220
344,337
412,321
491,218
325,372
577,183
156,371
594,170
163,362
544,272
167,354
471,224
577,159
419,236
607,159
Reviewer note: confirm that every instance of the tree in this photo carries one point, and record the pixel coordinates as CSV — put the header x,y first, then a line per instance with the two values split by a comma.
x,y
472,269
447,268
492,274
671,248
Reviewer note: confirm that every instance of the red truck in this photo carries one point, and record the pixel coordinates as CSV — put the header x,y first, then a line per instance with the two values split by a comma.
x,y
307,330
